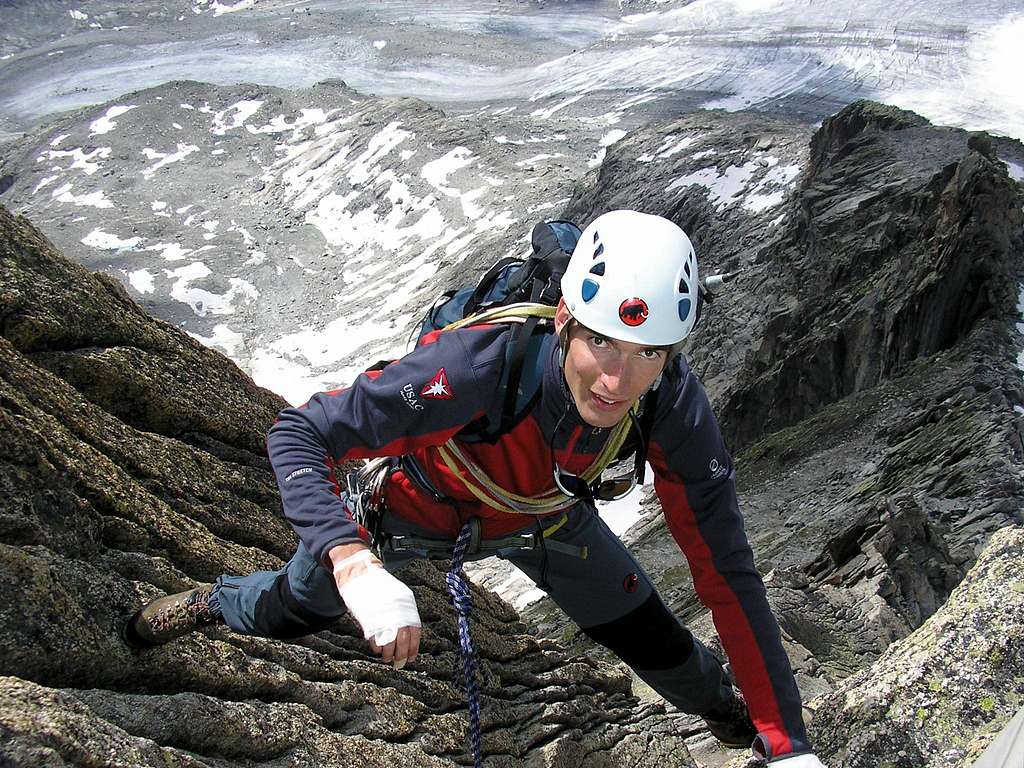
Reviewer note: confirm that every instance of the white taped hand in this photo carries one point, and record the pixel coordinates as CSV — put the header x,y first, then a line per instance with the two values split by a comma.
x,y
381,604
805,760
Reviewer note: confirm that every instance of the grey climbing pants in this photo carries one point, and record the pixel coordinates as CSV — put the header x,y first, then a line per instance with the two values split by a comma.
x,y
607,594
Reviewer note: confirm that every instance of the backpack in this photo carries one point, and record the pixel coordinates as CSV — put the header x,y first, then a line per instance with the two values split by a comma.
x,y
536,279
533,280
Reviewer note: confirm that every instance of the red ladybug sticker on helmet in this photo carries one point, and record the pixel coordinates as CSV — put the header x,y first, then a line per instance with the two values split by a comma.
x,y
633,312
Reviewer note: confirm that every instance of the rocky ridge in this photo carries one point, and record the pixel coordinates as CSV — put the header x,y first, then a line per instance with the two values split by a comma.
x,y
871,482
109,503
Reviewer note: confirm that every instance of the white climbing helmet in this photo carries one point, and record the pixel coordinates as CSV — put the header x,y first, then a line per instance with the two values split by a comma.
x,y
633,277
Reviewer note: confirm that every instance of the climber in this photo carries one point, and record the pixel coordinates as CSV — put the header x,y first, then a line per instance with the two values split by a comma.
x,y
630,297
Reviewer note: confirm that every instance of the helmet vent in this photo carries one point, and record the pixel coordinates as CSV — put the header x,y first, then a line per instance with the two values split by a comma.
x,y
596,236
599,250
684,309
589,290
598,269
684,286
686,268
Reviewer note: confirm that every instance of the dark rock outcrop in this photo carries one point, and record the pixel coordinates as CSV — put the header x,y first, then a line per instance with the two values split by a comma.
x,y
938,697
902,242
130,465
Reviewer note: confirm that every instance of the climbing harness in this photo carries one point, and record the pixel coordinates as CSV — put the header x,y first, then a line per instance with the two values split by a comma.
x,y
444,548
364,495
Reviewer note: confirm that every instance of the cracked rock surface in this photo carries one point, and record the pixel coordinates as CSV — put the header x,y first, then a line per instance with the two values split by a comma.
x,y
131,464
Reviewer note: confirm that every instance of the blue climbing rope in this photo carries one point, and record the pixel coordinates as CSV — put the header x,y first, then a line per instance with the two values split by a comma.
x,y
458,587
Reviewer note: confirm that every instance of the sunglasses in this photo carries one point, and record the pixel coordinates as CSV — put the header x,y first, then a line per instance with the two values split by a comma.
x,y
612,489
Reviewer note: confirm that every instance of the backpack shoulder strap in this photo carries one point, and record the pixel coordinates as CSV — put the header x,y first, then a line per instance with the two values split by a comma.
x,y
520,382
515,355
648,410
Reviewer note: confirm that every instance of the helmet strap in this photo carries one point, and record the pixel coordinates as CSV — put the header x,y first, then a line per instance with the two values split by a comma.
x,y
563,342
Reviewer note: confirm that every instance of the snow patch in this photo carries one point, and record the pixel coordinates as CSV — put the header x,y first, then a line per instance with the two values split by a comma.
x,y
771,190
364,166
234,116
436,172
547,206
219,9
204,302
606,141
611,137
292,381
670,146
379,44
306,118
94,199
45,181
310,170
78,15
360,231
537,159
723,187
141,280
184,150
470,209
223,338
335,341
108,242
756,202
1016,171
548,112
169,251
106,123
247,238
82,161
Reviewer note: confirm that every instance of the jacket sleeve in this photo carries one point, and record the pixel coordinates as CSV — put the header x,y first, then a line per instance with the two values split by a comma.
x,y
696,484
421,400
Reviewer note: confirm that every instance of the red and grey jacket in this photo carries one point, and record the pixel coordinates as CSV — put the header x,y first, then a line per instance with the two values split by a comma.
x,y
450,381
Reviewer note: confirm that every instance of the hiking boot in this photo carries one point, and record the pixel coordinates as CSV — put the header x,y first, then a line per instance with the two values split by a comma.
x,y
166,618
730,723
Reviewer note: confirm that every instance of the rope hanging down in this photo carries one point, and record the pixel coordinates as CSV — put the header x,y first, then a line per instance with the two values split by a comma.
x,y
463,602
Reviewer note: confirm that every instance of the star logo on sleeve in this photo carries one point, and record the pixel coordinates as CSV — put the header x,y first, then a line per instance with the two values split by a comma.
x,y
438,388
